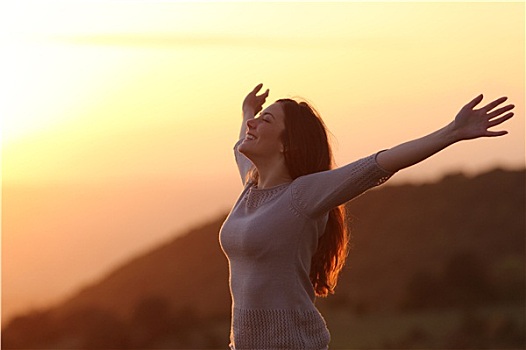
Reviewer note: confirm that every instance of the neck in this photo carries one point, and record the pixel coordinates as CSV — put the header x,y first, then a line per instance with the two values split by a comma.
x,y
272,174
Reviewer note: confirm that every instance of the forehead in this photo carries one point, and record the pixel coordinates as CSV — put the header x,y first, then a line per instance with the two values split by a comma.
x,y
276,110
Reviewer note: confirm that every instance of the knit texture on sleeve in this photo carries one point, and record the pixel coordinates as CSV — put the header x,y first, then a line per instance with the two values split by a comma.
x,y
318,193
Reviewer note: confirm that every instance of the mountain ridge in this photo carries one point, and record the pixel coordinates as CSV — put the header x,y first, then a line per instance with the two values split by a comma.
x,y
410,240
357,209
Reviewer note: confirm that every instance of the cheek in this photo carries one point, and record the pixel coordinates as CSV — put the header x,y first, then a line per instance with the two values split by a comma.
x,y
277,142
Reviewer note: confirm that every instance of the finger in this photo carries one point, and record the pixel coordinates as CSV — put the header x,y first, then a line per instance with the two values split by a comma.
x,y
500,111
257,88
474,102
265,94
496,133
494,104
263,97
500,120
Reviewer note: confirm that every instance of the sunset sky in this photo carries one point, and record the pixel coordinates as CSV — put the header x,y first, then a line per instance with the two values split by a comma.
x,y
119,117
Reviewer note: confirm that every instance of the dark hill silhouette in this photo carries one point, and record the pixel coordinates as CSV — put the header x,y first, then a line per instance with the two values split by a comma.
x,y
403,230
190,272
453,243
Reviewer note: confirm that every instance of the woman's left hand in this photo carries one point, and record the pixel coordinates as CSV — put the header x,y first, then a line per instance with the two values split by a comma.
x,y
470,123
473,123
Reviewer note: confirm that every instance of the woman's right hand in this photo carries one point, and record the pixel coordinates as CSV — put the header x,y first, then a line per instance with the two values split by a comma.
x,y
253,103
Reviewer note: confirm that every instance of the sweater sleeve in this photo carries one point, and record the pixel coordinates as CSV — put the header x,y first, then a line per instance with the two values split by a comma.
x,y
318,193
243,163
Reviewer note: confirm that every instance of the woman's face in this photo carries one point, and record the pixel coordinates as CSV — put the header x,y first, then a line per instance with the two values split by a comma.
x,y
263,137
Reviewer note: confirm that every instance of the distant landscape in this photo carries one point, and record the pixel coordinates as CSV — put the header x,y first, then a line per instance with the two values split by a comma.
x,y
432,266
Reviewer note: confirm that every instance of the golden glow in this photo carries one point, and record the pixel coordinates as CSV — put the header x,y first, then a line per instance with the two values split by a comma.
x,y
83,77
136,104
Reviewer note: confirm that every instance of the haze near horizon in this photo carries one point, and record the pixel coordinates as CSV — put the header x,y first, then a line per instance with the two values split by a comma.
x,y
118,118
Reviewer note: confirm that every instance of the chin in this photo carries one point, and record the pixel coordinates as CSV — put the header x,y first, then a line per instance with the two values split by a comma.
x,y
247,151
243,148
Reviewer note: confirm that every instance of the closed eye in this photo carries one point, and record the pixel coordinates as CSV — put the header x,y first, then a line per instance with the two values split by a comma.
x,y
267,117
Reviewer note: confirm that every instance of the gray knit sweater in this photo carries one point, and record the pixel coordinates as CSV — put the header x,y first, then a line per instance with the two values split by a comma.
x,y
269,238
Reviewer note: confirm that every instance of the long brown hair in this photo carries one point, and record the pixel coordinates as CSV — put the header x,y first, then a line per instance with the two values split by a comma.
x,y
307,150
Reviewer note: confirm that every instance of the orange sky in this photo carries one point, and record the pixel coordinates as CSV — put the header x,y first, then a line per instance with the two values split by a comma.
x,y
118,118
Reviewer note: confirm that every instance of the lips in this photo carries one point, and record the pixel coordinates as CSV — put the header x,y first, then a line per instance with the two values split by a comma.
x,y
250,137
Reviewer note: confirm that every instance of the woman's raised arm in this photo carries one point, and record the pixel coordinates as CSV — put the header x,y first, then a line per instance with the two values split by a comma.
x,y
252,104
470,123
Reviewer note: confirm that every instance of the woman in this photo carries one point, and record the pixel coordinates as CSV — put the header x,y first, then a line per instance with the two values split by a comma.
x,y
285,238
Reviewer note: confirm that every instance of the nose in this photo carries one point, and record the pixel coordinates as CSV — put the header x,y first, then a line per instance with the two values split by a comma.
x,y
251,123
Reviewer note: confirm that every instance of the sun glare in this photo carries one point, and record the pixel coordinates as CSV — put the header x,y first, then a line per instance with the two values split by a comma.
x,y
85,72
46,76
